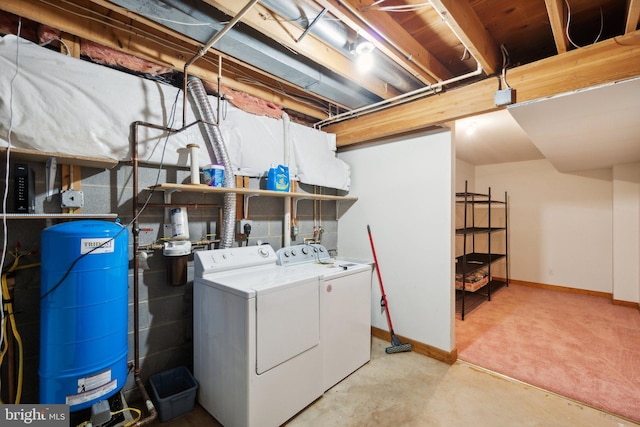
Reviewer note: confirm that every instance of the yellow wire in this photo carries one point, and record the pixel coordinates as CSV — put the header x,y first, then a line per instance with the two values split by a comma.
x,y
9,309
23,267
4,349
130,423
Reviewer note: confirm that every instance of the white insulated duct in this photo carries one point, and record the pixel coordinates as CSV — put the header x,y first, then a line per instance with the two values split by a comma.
x,y
218,154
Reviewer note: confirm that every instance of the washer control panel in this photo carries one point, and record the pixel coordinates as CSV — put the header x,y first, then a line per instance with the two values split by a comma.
x,y
305,253
217,260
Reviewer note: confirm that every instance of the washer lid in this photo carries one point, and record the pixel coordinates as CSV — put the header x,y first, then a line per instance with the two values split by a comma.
x,y
332,268
249,282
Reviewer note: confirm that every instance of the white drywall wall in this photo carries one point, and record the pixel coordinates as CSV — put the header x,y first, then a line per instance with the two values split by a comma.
x,y
626,232
464,172
560,224
405,193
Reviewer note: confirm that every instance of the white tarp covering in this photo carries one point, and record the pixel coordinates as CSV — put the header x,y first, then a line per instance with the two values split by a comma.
x,y
64,105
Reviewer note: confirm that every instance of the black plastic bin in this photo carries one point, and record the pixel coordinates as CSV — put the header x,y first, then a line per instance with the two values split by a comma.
x,y
173,392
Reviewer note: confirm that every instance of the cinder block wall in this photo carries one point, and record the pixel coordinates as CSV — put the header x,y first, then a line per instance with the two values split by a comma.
x,y
166,331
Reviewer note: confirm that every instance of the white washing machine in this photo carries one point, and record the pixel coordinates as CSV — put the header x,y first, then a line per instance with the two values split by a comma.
x,y
345,308
257,347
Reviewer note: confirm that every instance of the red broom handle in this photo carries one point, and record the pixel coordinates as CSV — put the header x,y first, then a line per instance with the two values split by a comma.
x,y
384,296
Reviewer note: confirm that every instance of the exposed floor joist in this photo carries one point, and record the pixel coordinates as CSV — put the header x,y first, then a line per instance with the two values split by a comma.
x,y
633,16
557,18
609,61
464,22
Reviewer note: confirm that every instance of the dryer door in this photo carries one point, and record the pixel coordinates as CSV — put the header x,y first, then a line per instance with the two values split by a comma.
x,y
287,322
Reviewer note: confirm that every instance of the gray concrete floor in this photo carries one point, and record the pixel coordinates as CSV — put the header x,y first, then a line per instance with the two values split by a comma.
x,y
408,389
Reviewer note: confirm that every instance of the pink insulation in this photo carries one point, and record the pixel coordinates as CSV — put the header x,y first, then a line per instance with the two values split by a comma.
x,y
105,55
247,102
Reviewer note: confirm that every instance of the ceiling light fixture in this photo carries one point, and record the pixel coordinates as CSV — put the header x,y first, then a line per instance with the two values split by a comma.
x,y
363,52
364,47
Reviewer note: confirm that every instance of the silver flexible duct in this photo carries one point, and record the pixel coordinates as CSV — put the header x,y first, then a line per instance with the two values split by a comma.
x,y
218,154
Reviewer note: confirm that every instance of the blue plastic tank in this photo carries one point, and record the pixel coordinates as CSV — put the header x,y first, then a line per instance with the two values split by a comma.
x,y
83,316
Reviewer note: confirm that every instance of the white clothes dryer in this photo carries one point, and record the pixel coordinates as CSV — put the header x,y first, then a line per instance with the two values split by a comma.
x,y
345,307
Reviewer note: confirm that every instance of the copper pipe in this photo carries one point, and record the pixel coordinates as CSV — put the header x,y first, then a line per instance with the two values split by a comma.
x,y
136,264
153,413
187,205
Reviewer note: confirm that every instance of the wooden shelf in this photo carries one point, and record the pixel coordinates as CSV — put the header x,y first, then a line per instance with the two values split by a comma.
x,y
58,216
43,156
202,188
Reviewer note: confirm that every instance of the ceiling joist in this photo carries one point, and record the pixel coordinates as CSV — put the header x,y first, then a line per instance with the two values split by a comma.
x,y
464,22
557,18
633,16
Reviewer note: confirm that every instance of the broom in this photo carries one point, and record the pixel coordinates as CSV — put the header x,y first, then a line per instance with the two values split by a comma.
x,y
396,345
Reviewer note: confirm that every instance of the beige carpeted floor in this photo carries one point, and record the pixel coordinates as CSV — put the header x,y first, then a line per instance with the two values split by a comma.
x,y
579,346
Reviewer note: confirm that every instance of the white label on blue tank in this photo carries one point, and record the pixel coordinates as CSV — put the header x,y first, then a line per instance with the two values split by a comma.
x,y
96,246
77,399
89,383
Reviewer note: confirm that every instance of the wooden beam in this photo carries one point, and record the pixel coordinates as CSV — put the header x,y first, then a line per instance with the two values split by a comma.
x,y
287,33
605,62
633,16
70,45
126,32
417,115
557,17
464,22
71,179
390,38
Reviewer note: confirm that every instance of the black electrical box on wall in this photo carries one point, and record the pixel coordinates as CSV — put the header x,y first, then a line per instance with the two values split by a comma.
x,y
24,185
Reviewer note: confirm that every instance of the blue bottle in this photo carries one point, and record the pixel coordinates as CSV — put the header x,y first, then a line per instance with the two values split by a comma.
x,y
278,178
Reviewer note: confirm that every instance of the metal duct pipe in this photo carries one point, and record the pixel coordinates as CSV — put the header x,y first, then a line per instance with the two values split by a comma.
x,y
216,146
203,50
303,13
336,34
